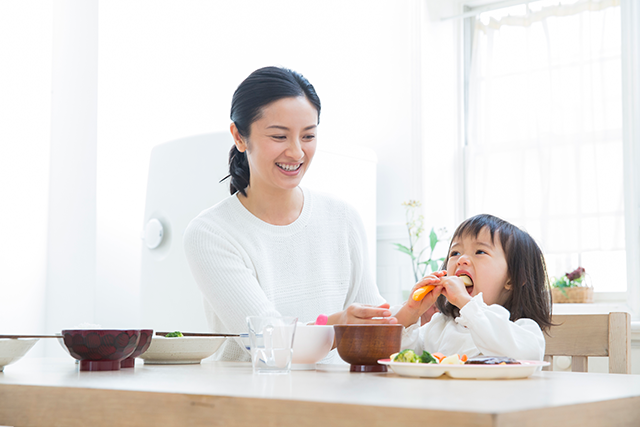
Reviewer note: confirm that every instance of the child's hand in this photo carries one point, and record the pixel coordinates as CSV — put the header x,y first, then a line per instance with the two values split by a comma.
x,y
454,289
432,283
412,310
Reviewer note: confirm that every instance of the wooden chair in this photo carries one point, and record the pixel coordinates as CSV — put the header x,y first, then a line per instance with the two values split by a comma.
x,y
584,335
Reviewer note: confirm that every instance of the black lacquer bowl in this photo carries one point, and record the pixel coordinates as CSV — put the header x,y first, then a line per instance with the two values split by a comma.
x,y
143,345
101,349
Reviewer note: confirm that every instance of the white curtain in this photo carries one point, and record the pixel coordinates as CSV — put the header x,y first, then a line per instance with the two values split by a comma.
x,y
544,132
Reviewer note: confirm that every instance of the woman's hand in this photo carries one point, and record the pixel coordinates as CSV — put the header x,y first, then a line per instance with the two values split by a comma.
x,y
360,313
412,310
455,291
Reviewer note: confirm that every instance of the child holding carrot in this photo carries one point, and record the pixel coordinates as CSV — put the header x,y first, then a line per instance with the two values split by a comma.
x,y
492,296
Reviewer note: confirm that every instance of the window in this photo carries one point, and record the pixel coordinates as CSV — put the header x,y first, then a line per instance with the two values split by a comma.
x,y
544,131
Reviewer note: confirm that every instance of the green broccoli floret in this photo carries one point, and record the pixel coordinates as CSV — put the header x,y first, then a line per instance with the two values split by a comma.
x,y
407,355
426,357
174,334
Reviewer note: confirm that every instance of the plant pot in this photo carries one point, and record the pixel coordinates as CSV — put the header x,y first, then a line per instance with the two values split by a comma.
x,y
577,294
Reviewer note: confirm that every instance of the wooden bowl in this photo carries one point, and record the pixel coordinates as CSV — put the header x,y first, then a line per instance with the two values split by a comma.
x,y
363,345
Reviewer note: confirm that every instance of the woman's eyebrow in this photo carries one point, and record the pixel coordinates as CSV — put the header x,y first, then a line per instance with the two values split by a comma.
x,y
286,128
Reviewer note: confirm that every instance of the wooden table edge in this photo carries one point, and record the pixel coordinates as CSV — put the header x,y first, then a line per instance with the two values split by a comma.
x,y
44,406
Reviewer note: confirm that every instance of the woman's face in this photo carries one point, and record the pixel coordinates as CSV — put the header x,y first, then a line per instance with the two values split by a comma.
x,y
281,144
484,261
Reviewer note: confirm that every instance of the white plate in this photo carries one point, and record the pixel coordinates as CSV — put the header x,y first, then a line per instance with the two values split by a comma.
x,y
12,349
481,372
180,350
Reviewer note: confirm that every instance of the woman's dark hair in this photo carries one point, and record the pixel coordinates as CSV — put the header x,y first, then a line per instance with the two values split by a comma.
x,y
261,88
529,296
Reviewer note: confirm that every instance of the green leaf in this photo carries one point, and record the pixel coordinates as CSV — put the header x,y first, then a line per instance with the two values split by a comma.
x,y
433,239
433,264
404,249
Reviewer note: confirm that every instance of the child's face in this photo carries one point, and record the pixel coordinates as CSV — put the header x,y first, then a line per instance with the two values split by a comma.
x,y
484,262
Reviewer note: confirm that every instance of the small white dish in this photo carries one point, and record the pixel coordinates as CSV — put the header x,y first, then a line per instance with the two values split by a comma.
x,y
480,372
12,349
180,350
311,344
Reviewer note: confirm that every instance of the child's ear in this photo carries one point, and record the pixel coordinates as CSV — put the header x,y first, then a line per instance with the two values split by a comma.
x,y
508,285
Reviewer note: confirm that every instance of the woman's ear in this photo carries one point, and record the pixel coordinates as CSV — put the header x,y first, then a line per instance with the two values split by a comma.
x,y
238,140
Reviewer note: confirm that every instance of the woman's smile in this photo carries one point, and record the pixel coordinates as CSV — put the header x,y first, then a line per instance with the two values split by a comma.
x,y
289,169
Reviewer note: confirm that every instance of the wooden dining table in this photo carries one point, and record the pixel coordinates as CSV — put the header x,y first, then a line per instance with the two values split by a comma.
x,y
47,392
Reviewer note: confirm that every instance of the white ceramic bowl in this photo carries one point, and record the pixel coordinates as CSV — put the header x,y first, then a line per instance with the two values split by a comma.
x,y
311,344
180,350
12,349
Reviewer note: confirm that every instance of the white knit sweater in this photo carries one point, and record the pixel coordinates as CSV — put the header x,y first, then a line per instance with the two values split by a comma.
x,y
244,266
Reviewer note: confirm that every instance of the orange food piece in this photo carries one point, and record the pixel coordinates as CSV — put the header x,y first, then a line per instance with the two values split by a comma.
x,y
419,294
438,356
464,358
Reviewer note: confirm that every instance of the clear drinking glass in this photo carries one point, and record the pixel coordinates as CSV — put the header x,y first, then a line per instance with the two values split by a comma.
x,y
271,343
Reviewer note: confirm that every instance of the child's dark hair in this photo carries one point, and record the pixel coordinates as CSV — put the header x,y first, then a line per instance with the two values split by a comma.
x,y
529,296
261,88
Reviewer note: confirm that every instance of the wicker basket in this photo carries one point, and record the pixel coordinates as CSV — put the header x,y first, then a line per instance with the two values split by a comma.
x,y
574,295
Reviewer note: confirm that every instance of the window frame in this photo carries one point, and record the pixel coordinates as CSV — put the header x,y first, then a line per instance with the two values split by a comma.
x,y
630,14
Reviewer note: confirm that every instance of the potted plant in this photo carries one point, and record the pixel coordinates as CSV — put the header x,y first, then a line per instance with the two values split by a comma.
x,y
422,256
572,288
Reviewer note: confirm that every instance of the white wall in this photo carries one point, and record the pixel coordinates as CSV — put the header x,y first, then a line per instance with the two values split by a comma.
x,y
168,69
71,250
25,117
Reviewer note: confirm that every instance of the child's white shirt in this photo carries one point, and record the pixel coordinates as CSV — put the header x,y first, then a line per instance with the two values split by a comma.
x,y
480,329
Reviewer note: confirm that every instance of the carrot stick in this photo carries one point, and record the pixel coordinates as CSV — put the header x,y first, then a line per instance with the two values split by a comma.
x,y
419,294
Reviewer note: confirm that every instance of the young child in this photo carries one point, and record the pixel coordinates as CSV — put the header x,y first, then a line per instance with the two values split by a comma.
x,y
504,309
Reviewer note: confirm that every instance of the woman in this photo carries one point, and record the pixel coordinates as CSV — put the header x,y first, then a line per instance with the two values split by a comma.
x,y
272,247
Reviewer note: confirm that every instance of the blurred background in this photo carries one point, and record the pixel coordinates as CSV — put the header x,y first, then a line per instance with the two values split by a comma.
x,y
528,110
